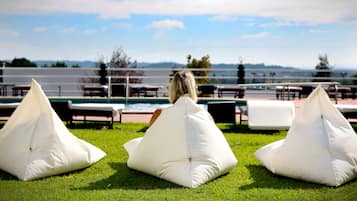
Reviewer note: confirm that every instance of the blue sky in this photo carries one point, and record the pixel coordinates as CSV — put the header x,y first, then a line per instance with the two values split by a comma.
x,y
281,32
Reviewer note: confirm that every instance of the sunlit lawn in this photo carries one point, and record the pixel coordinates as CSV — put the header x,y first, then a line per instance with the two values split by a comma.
x,y
110,179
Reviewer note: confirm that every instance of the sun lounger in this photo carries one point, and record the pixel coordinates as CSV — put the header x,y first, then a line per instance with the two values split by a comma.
x,y
288,92
270,115
98,109
206,90
66,110
6,109
237,91
145,90
349,111
8,105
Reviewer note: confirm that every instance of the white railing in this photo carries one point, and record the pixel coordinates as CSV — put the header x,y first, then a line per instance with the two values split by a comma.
x,y
71,81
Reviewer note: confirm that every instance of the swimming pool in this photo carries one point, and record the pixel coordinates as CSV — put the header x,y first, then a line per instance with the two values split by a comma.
x,y
151,107
132,104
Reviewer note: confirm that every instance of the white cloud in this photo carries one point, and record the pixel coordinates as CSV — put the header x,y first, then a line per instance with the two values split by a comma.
x,y
89,32
317,31
54,28
223,18
162,26
9,33
69,30
279,24
122,25
40,29
166,25
305,11
254,36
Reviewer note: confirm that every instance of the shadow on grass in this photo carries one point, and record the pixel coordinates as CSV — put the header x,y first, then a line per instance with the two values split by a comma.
x,y
2,123
88,125
244,129
125,178
143,129
4,176
98,125
354,126
263,178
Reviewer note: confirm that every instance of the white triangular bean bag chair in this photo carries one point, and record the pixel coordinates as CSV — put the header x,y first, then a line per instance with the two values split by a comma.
x,y
183,146
321,145
34,142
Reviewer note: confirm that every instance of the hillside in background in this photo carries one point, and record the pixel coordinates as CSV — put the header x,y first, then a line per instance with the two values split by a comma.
x,y
69,63
168,66
222,74
92,64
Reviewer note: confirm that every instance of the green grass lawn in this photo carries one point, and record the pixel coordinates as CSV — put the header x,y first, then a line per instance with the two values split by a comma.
x,y
111,179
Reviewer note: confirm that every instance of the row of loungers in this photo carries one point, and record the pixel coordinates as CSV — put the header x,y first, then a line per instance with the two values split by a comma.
x,y
67,110
263,115
349,111
275,115
291,92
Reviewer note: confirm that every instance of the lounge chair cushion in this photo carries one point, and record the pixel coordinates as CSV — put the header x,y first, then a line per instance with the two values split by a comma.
x,y
34,142
270,115
116,109
347,108
320,147
183,146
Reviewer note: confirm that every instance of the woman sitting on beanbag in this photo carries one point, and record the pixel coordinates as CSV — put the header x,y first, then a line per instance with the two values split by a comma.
x,y
183,145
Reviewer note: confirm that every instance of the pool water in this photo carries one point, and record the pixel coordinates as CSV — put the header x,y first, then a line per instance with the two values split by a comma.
x,y
150,107
145,106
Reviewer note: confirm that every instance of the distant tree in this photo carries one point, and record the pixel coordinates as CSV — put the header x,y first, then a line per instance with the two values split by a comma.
x,y
59,64
96,72
122,66
323,69
4,63
76,66
204,63
22,62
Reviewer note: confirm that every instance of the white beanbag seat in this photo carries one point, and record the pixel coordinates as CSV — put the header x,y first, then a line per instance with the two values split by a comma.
x,y
34,142
321,146
270,115
183,146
